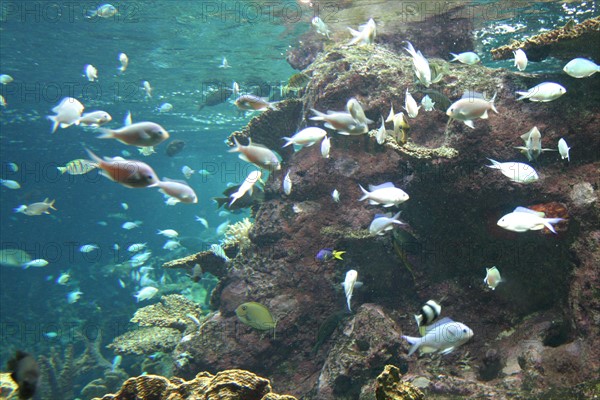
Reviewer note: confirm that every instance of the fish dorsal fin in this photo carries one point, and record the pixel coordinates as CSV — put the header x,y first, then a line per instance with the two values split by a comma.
x,y
471,94
386,215
525,136
382,186
437,324
529,211
174,180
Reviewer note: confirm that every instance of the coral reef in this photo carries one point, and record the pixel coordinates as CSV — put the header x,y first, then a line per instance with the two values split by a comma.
x,y
145,341
8,387
389,386
227,385
570,41
238,234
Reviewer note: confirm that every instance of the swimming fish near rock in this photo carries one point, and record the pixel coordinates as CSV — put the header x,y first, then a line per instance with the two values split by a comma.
x,y
140,134
544,92
74,296
410,105
256,316
68,112
343,122
492,278
25,371
443,336
325,147
520,59
523,219
287,184
581,68
533,144
420,65
257,154
306,137
129,173
467,57
320,26
385,194
247,186
427,103
250,102
384,222
335,195
145,293
365,35
430,312
355,109
563,149
328,254
470,107
515,171
350,282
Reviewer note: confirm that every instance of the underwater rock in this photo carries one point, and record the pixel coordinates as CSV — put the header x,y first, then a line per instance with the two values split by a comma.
x,y
146,341
173,311
227,385
389,386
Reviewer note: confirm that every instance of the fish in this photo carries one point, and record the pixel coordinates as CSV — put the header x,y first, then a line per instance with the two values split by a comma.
x,y
131,225
350,282
116,362
247,200
420,65
12,167
563,149
328,254
6,79
287,184
427,103
257,154
24,370
147,88
544,92
365,35
129,173
218,251
171,245
37,208
515,171
146,151
471,106
170,233
50,335
256,316
523,219
125,206
381,132
124,60
3,102
581,68
140,134
68,112
383,223
520,59
533,144
250,102
178,190
103,11
246,186
87,248
37,263
145,293
63,279
410,105
10,184
325,147
91,73
78,167
196,274
385,194
401,128
343,122
442,101
95,119
203,221
444,336
306,137
320,26
175,147
187,172
165,107
224,63
492,278
140,258
467,57
428,314
335,195
73,297
355,109
136,247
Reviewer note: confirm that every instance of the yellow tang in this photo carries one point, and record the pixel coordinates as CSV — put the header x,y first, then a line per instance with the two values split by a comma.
x,y
257,316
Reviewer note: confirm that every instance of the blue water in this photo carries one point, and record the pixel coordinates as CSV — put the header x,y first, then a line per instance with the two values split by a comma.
x,y
177,46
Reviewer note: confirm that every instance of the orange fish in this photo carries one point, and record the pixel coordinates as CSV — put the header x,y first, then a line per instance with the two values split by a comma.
x,y
129,173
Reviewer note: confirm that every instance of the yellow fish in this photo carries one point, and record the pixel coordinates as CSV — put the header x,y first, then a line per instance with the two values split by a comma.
x,y
256,316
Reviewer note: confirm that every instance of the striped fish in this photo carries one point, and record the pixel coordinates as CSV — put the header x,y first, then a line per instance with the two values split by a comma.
x,y
78,167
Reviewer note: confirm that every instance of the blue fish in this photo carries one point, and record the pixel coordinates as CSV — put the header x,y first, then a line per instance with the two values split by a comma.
x,y
327,254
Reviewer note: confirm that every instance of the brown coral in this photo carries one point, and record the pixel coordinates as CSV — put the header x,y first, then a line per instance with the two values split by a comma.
x,y
389,386
146,341
172,312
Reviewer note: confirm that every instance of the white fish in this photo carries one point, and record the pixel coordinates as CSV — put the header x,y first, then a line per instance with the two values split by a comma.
x,y
520,59
203,221
365,35
147,88
10,184
420,65
235,89
38,263
124,60
187,171
515,171
91,73
116,362
116,247
63,279
2,101
467,57
21,209
146,151
349,284
103,11
136,247
306,137
171,245
131,225
125,206
320,26
355,109
410,105
523,219
427,103
471,106
72,297
146,293
87,248
581,68
178,190
343,122
95,119
391,115
165,107
563,149
384,222
544,92
257,154
222,228
335,195
218,251
533,144
444,336
492,277
170,233
287,184
140,258
68,112
246,186
5,79
381,132
385,194
224,63
325,147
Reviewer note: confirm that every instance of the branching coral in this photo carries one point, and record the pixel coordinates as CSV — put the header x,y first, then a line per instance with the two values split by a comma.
x,y
238,234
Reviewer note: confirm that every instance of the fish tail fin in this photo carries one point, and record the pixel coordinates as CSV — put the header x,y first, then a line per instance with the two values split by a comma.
x,y
51,204
319,116
495,164
419,319
94,157
338,255
62,169
415,342
106,134
237,146
54,123
523,95
455,57
288,140
548,222
492,103
365,193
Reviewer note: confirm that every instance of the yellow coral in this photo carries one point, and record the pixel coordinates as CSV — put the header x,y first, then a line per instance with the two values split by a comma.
x,y
238,234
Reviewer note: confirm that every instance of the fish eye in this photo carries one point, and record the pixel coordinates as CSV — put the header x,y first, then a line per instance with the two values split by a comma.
x,y
464,331
150,177
244,308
